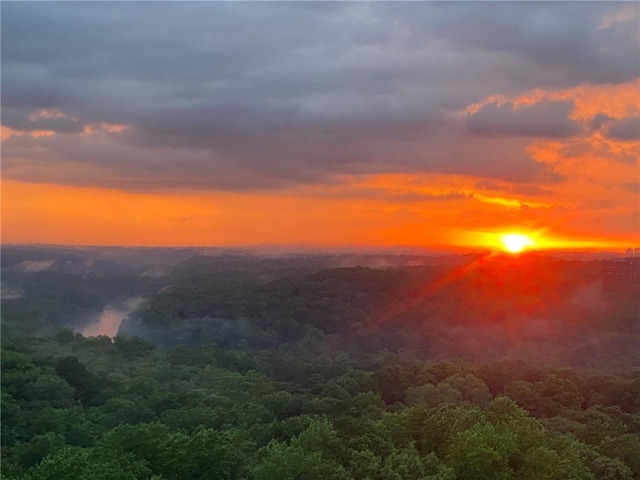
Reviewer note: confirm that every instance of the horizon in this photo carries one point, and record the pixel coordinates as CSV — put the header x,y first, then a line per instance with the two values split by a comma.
x,y
433,126
391,250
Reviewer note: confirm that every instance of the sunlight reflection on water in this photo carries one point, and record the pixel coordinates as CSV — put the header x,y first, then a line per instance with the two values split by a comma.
x,y
110,319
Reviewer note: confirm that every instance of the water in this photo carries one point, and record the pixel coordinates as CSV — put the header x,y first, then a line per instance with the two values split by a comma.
x,y
109,320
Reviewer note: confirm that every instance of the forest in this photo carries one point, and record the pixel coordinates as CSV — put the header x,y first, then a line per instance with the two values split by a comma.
x,y
236,366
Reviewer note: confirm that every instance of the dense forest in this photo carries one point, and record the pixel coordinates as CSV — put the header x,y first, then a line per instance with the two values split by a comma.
x,y
321,367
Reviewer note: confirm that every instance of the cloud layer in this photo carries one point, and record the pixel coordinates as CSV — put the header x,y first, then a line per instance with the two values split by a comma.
x,y
262,95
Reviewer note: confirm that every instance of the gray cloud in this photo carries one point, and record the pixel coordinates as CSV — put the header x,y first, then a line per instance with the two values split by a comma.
x,y
627,128
266,95
104,160
598,121
543,119
564,43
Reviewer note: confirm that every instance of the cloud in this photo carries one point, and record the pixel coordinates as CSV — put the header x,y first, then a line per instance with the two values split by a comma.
x,y
558,44
242,96
625,129
543,119
11,293
34,266
103,160
514,189
44,120
598,121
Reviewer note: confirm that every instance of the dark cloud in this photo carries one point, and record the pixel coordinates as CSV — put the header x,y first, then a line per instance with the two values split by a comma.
x,y
104,160
598,121
563,43
265,95
627,128
542,119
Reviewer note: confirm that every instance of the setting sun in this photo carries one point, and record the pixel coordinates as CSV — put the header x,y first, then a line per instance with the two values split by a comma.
x,y
516,242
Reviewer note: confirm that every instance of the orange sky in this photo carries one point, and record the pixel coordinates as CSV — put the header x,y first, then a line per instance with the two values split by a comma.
x,y
371,125
308,216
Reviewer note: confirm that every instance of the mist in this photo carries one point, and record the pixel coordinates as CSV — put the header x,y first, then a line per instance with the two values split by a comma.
x,y
108,321
35,266
10,293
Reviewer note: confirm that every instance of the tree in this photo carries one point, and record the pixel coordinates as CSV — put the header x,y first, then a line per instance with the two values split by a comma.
x,y
625,448
146,442
206,454
482,452
543,463
29,453
294,462
81,463
311,455
76,375
473,389
431,395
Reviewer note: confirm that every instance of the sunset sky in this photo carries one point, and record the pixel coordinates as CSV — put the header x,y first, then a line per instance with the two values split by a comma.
x,y
306,124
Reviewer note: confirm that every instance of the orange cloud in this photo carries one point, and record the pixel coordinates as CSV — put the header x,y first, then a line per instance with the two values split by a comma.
x,y
616,101
625,13
600,183
42,133
103,127
6,132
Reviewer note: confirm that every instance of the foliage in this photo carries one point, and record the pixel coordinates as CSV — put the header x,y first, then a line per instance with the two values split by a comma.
x,y
106,413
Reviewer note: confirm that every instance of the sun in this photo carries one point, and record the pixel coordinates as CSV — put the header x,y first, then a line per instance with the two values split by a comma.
x,y
516,242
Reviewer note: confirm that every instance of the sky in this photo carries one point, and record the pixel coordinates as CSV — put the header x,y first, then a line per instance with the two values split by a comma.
x,y
317,125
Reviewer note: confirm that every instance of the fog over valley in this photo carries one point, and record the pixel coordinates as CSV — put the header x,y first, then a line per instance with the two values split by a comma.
x,y
108,321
